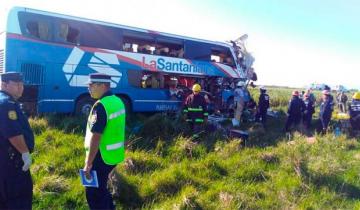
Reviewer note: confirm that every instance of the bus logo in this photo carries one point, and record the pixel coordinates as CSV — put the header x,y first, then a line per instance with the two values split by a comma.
x,y
99,62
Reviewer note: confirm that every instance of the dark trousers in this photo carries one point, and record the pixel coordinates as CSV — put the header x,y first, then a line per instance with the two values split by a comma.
x,y
16,186
307,120
323,124
292,120
100,198
197,129
262,115
355,124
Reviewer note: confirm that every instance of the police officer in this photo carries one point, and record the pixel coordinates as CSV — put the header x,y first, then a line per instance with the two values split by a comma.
x,y
295,110
311,96
195,110
16,144
104,140
326,108
309,110
264,104
354,111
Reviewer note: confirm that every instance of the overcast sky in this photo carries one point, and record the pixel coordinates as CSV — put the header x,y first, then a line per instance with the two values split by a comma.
x,y
294,42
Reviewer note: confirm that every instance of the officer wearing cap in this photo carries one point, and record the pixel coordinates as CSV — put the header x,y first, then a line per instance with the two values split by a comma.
x,y
326,109
16,144
104,140
309,111
295,110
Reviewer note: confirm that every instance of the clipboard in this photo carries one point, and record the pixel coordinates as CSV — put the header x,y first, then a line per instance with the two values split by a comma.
x,y
93,182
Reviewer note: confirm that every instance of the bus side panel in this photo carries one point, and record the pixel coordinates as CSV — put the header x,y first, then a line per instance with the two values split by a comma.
x,y
150,100
39,64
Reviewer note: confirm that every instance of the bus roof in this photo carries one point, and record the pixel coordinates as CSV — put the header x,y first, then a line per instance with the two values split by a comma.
x,y
15,10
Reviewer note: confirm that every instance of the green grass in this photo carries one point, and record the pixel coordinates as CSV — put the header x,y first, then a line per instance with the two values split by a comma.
x,y
165,169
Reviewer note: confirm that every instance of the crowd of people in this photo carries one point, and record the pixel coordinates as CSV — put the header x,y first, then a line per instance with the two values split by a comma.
x,y
300,110
302,107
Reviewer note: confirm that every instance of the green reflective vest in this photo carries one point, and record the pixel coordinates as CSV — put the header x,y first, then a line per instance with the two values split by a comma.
x,y
112,140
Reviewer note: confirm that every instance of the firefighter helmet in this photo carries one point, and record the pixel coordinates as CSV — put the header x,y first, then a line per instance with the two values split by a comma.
x,y
196,88
356,96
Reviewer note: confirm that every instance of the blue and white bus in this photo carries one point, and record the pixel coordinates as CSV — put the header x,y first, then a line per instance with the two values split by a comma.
x,y
56,53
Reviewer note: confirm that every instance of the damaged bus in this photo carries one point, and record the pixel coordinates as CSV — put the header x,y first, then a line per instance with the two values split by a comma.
x,y
56,53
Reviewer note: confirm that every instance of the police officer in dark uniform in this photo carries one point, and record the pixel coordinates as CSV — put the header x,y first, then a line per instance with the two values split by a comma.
x,y
295,110
326,109
309,110
264,104
354,111
16,144
104,140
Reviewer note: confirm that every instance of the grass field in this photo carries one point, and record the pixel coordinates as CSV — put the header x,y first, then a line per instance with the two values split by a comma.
x,y
165,169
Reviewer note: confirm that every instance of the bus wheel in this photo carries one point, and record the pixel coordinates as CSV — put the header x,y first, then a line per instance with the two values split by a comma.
x,y
84,105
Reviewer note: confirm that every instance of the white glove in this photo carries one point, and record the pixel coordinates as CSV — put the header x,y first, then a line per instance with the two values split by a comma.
x,y
27,161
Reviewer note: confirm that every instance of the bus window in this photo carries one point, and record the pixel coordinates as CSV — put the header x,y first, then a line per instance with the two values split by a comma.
x,y
44,31
197,50
128,47
134,78
215,58
146,79
152,80
222,55
38,29
160,50
169,47
146,49
68,33
32,28
140,42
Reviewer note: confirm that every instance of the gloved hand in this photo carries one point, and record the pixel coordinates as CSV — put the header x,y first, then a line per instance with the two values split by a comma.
x,y
27,160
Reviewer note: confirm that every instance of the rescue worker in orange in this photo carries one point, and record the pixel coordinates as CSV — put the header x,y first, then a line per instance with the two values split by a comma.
x,y
195,108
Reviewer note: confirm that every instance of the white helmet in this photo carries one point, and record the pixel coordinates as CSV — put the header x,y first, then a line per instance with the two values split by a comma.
x,y
240,84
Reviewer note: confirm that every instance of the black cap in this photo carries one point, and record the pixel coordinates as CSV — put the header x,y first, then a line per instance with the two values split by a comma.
x,y
11,76
99,78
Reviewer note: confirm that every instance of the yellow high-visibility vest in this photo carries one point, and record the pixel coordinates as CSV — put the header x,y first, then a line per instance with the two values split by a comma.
x,y
112,140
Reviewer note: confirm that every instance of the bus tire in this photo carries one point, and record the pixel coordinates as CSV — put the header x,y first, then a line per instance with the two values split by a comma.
x,y
84,105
